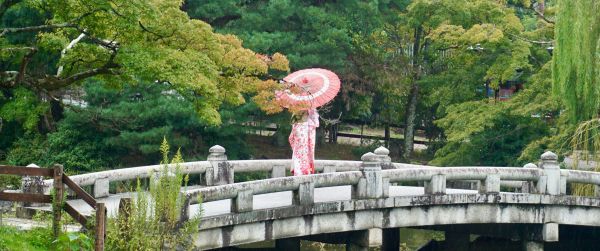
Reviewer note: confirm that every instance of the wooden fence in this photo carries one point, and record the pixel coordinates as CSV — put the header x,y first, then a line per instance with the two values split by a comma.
x,y
60,180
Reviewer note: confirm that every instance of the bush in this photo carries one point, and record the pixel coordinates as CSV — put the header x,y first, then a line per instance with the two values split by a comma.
x,y
35,239
73,242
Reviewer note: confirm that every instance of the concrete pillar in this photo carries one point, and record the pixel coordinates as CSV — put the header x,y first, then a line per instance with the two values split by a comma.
x,y
291,244
437,184
371,185
34,185
491,184
390,239
457,241
278,171
242,202
552,173
550,232
305,195
533,246
363,239
384,159
101,187
220,172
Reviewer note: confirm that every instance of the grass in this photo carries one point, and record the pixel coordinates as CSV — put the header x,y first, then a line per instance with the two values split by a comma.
x,y
264,149
35,239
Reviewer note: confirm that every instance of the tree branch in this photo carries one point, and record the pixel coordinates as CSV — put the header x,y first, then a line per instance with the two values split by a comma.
x,y
37,28
24,64
71,24
529,40
83,75
68,47
541,15
144,28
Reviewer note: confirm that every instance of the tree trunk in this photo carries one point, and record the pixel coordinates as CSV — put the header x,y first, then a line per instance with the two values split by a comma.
x,y
411,114
362,127
411,107
320,136
387,135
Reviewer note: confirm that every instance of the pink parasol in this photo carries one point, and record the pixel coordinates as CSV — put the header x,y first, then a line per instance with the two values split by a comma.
x,y
316,87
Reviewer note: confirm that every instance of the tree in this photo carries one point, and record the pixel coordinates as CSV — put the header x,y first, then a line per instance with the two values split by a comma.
x,y
509,133
424,58
576,78
124,127
577,58
310,33
120,41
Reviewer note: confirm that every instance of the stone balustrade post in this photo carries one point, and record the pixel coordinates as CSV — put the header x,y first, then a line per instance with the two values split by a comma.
x,y
563,182
491,184
528,186
437,184
221,171
551,169
371,185
305,195
101,188
34,185
242,202
278,171
384,159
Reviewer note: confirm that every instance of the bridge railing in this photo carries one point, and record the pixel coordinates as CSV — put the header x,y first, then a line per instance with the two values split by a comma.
x,y
371,182
218,170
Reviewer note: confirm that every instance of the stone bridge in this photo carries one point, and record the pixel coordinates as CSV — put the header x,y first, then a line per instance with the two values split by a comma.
x,y
364,203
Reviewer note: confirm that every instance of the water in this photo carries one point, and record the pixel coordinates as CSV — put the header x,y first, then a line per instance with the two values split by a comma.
x,y
411,239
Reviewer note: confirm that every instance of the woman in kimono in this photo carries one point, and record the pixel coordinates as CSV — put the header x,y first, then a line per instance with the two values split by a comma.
x,y
302,141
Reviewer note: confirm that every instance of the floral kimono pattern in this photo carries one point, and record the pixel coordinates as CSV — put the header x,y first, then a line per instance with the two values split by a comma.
x,y
302,141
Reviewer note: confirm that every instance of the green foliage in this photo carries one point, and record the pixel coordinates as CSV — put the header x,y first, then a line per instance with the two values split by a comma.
x,y
52,46
153,220
73,242
36,239
123,127
502,133
21,106
577,58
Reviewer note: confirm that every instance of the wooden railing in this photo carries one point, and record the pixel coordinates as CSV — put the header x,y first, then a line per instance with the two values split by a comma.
x,y
56,199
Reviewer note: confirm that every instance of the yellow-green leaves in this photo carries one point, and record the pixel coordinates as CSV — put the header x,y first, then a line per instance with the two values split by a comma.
x,y
153,41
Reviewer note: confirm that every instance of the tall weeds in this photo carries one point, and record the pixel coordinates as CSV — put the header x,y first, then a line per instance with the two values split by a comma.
x,y
152,219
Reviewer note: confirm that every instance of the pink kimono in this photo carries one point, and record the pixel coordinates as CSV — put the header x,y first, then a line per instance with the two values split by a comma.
x,y
302,141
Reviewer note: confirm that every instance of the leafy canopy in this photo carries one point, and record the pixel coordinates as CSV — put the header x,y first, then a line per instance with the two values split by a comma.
x,y
122,40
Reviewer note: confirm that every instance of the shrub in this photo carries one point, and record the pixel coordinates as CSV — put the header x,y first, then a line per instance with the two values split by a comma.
x,y
152,222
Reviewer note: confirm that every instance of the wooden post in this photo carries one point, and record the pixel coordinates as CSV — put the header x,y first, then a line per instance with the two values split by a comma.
x,y
57,200
100,226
